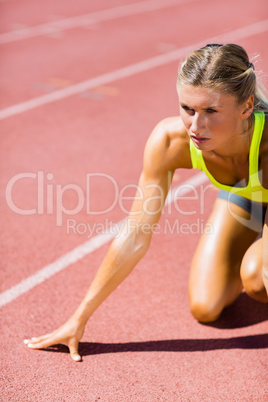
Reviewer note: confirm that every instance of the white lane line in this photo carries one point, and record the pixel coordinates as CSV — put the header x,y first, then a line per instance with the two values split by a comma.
x,y
88,247
131,70
88,19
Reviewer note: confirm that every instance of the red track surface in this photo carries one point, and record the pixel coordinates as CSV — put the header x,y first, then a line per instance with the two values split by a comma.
x,y
142,344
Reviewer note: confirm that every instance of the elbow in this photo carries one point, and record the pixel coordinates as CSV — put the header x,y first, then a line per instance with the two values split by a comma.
x,y
130,247
141,247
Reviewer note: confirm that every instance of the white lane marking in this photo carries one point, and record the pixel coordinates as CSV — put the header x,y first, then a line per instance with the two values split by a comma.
x,y
87,248
89,19
131,70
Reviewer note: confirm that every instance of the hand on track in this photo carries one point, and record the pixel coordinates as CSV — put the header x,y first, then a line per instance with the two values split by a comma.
x,y
68,334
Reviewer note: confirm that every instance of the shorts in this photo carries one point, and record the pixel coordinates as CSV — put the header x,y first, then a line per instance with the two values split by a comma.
x,y
257,210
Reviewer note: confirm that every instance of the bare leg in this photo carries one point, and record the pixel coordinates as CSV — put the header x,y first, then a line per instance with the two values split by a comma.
x,y
215,272
251,272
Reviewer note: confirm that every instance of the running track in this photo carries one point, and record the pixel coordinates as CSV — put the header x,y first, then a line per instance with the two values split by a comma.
x,y
82,87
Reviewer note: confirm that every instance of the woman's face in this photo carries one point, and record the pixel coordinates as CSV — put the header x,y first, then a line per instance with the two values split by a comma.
x,y
213,120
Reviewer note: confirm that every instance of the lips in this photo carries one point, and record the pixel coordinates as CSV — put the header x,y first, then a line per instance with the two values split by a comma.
x,y
199,140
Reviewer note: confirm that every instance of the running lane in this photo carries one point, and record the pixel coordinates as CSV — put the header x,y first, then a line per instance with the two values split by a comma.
x,y
142,344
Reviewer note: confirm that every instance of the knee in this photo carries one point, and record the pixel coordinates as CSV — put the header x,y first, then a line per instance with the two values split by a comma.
x,y
204,311
251,275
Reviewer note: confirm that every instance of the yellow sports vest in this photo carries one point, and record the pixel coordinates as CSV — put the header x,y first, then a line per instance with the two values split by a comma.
x,y
254,190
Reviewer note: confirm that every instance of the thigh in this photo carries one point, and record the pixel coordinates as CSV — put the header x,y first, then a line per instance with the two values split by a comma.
x,y
215,271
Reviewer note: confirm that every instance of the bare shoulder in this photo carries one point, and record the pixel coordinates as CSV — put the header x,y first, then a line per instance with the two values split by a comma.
x,y
168,146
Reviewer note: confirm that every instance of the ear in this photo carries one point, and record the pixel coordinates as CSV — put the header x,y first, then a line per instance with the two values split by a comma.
x,y
247,108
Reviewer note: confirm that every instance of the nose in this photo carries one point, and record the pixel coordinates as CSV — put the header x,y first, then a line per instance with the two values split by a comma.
x,y
197,124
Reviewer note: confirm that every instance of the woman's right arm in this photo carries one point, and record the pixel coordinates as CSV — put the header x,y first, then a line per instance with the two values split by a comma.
x,y
127,248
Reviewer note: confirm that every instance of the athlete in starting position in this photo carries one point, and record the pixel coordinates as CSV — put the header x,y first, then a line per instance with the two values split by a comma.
x,y
223,130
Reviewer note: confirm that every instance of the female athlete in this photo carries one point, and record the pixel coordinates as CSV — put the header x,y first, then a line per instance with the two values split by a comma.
x,y
223,130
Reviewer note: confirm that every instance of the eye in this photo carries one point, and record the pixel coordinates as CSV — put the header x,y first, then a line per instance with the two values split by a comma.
x,y
187,109
211,111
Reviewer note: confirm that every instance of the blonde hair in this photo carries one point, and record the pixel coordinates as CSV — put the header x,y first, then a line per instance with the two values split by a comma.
x,y
226,68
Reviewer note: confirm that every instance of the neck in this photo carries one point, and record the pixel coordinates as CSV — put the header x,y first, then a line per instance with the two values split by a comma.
x,y
239,146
